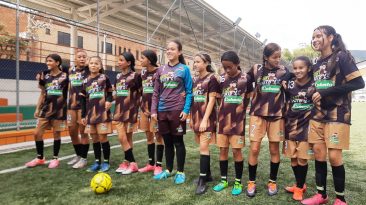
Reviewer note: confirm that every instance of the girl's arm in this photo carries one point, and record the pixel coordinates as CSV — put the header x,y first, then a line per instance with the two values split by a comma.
x,y
40,101
188,84
155,97
109,95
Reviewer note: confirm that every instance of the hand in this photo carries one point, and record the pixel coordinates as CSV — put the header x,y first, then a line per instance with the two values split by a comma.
x,y
203,126
83,121
183,94
36,114
316,97
154,117
284,84
183,116
108,105
147,113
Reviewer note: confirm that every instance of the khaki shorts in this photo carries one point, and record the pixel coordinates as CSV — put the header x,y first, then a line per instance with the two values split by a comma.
x,y
73,117
147,124
236,141
258,127
125,127
205,137
296,149
101,128
335,135
45,124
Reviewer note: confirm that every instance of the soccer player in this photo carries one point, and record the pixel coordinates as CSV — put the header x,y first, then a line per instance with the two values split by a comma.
x,y
204,114
51,109
235,89
171,103
96,99
128,92
336,76
147,124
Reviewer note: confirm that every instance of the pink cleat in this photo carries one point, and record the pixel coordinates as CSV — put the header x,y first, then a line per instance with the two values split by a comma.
x,y
35,162
158,170
315,200
339,202
132,168
54,164
147,168
122,167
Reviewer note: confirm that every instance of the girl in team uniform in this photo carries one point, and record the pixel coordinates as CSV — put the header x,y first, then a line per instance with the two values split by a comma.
x,y
299,90
51,109
171,103
235,89
81,145
147,124
96,100
203,114
127,96
266,114
336,76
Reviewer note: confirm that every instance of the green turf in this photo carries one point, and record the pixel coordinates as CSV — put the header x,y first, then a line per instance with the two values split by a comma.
x,y
66,186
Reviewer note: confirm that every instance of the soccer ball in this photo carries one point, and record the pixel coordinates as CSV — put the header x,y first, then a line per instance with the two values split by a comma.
x,y
101,183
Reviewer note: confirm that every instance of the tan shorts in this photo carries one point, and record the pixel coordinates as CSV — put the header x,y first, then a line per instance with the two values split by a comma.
x,y
335,135
125,127
258,127
205,137
101,128
236,141
147,124
73,117
296,149
46,124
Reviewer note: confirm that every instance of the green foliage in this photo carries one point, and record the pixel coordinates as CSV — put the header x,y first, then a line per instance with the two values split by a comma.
x,y
8,45
307,50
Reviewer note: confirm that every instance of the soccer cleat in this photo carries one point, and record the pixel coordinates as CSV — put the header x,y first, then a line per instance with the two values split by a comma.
x,y
339,202
104,167
158,170
221,186
251,189
132,168
315,200
237,189
179,178
272,188
35,162
208,179
290,189
80,164
298,194
163,175
147,168
54,164
201,186
74,160
94,167
122,167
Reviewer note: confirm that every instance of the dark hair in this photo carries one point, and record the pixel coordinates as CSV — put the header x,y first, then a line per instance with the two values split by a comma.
x,y
151,55
337,43
101,70
232,57
207,59
269,49
56,58
129,58
307,62
180,47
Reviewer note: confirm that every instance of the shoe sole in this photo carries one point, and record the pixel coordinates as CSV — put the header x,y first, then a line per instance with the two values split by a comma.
x,y
251,195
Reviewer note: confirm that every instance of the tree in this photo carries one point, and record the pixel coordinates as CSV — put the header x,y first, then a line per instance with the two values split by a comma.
x,y
8,45
307,50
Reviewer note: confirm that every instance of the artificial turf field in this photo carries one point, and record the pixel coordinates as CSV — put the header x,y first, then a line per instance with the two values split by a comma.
x,y
64,185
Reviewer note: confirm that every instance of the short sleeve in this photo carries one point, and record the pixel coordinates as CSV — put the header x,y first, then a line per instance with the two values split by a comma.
x,y
213,86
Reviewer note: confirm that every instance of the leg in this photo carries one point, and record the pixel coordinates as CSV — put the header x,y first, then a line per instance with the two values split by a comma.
x,y
159,149
169,151
150,148
74,134
320,154
56,143
181,152
253,159
339,175
274,150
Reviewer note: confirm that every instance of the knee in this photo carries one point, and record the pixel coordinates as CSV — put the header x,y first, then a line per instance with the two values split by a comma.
x,y
302,162
224,152
254,151
204,149
335,158
237,153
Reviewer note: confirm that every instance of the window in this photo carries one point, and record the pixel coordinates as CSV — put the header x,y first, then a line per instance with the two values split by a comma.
x,y
137,55
48,31
63,38
108,48
124,49
120,50
80,42
108,67
65,63
129,50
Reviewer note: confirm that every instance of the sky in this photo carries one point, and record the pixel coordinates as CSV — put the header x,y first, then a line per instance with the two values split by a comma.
x,y
290,23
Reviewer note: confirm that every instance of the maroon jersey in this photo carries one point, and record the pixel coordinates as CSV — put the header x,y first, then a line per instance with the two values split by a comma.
x,y
203,88
128,88
76,78
54,104
95,89
328,74
148,79
269,98
233,103
298,112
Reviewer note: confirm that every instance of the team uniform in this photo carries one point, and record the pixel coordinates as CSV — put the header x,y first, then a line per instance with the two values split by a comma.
x,y
203,88
298,114
330,123
146,123
232,110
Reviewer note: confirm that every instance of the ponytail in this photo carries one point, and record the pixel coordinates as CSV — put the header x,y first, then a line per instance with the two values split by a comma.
x,y
129,58
181,59
207,59
180,47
